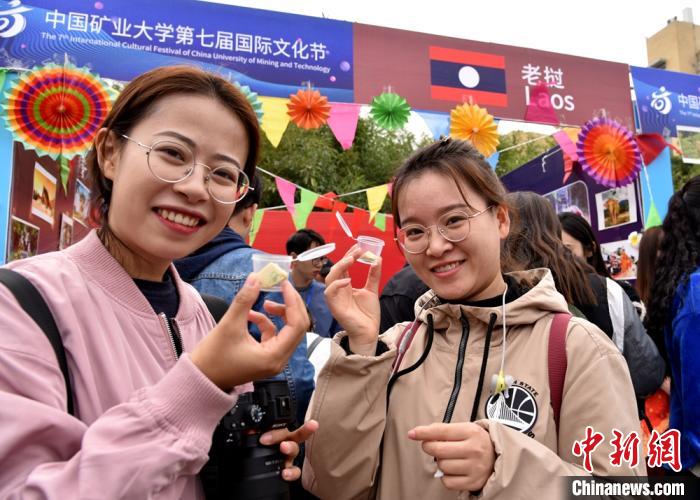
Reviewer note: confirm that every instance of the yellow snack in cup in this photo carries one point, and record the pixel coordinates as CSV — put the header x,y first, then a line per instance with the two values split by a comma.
x,y
271,275
368,257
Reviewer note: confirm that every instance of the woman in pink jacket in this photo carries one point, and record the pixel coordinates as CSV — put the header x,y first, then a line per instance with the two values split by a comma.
x,y
151,372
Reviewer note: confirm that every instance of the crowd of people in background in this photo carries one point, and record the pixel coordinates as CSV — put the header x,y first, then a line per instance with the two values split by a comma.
x,y
440,385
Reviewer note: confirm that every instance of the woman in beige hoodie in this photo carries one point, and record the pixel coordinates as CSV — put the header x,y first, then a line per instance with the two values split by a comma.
x,y
458,402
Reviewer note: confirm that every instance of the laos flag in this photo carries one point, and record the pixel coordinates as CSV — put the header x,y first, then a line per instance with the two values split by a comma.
x,y
458,75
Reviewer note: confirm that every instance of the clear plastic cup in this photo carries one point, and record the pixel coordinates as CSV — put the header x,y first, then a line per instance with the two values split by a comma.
x,y
369,245
270,268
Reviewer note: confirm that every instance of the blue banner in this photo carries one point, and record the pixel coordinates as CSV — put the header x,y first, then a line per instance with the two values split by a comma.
x,y
666,99
273,53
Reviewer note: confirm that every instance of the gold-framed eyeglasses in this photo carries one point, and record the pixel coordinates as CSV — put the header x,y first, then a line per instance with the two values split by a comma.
x,y
173,162
453,226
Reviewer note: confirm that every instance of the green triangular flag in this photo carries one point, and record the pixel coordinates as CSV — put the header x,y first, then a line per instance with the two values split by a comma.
x,y
304,208
255,226
380,221
3,75
65,173
653,218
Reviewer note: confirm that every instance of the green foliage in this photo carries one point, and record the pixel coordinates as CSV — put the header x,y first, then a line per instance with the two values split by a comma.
x,y
682,172
315,160
516,157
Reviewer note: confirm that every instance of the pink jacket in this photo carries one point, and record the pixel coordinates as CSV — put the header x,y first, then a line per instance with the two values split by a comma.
x,y
144,418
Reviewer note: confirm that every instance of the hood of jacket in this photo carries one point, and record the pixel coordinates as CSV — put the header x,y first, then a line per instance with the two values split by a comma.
x,y
541,299
226,241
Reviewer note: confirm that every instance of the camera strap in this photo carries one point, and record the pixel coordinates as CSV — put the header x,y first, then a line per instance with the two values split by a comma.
x,y
34,305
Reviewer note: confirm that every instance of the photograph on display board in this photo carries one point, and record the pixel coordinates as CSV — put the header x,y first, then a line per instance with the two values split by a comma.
x,y
66,237
44,194
689,137
620,259
81,203
616,207
571,198
24,240
79,166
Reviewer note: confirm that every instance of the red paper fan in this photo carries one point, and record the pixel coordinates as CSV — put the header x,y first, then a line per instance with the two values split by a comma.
x,y
308,109
608,153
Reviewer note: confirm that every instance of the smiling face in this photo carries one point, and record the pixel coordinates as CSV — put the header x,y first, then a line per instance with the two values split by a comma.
x,y
466,270
155,221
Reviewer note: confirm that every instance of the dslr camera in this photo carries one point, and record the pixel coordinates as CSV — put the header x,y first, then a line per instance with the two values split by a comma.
x,y
239,466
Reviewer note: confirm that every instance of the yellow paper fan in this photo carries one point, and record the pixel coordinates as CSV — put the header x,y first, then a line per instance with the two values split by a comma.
x,y
470,122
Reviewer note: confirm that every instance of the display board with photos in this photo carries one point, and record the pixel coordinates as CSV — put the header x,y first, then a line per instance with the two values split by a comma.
x,y
44,217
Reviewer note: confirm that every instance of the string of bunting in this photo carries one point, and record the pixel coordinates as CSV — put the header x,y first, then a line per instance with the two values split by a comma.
x,y
309,199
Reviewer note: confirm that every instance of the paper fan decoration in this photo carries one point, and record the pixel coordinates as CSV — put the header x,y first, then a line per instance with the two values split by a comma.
x,y
57,110
308,109
474,124
608,152
390,111
252,99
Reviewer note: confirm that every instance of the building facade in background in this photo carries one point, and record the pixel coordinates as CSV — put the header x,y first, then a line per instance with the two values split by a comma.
x,y
677,46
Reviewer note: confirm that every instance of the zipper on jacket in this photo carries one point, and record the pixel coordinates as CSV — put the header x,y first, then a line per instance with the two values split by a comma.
x,y
173,335
458,371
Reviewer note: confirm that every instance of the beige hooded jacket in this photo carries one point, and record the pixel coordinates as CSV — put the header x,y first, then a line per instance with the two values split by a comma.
x,y
343,456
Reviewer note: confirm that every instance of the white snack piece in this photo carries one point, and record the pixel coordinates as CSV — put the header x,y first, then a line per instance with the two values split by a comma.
x,y
368,257
271,275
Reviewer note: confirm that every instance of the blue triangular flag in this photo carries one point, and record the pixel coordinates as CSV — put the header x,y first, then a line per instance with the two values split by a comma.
x,y
438,123
493,159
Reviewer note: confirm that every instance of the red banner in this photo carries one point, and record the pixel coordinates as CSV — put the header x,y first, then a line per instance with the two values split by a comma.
x,y
437,73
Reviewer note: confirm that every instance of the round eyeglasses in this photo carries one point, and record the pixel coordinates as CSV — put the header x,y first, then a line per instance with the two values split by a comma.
x,y
453,226
173,162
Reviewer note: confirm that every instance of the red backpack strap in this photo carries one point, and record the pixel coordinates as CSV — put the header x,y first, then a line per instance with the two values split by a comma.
x,y
556,357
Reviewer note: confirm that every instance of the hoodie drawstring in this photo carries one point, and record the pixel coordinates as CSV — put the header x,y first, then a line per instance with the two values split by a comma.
x,y
482,372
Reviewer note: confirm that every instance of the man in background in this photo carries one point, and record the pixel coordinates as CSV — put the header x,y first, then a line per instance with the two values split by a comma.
x,y
303,277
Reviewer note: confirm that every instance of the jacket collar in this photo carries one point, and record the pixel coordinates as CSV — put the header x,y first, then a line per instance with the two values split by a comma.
x,y
542,299
100,267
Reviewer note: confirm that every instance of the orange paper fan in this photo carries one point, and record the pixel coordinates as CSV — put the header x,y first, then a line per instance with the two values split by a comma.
x,y
470,122
308,109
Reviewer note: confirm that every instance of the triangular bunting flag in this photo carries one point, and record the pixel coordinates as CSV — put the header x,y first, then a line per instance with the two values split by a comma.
x,y
339,206
540,107
275,118
438,123
343,122
493,160
325,201
566,144
304,208
653,218
375,199
651,146
255,226
380,221
568,167
64,172
286,190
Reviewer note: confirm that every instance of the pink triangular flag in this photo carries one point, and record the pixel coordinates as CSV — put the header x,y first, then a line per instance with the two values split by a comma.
x,y
286,190
343,122
566,144
540,107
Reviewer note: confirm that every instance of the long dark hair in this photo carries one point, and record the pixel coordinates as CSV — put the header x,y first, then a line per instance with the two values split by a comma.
x,y
679,254
579,229
646,264
535,241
